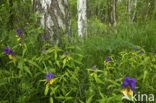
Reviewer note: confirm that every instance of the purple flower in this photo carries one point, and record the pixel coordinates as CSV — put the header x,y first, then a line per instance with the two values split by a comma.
x,y
11,52
66,53
64,33
18,31
21,36
129,82
134,49
141,52
43,50
49,76
8,51
93,67
107,59
45,38
154,52
52,43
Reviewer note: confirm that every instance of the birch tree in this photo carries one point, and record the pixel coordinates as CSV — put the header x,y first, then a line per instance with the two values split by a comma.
x,y
82,17
54,17
129,10
135,5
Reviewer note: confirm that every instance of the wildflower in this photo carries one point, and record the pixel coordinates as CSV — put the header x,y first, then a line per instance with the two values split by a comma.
x,y
91,74
66,53
52,43
6,50
154,52
141,52
45,38
20,44
51,82
49,77
43,50
19,36
10,54
133,53
134,49
128,86
65,32
107,59
47,44
18,31
93,67
153,59
18,39
68,58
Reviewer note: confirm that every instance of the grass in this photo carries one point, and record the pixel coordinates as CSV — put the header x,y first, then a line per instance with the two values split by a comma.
x,y
24,81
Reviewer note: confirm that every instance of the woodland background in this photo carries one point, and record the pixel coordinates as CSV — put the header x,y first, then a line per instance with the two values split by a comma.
x,y
123,30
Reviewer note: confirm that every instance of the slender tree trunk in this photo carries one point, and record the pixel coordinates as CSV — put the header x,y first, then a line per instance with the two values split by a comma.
x,y
135,5
114,13
147,9
82,17
109,8
129,10
54,17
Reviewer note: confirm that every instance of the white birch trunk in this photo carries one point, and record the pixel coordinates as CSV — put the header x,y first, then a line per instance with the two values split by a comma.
x,y
54,17
82,17
135,5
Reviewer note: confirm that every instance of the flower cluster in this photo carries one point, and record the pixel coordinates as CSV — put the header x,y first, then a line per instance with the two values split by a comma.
x,y
106,62
10,54
94,68
67,58
19,36
49,77
128,86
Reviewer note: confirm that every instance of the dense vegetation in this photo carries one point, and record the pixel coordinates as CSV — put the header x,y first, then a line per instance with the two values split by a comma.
x,y
85,71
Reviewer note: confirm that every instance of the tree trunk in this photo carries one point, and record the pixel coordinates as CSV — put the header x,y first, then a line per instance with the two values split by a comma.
x,y
129,10
82,17
114,13
109,11
54,17
135,5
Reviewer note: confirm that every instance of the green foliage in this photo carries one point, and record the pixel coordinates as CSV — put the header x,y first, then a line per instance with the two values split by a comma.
x,y
23,78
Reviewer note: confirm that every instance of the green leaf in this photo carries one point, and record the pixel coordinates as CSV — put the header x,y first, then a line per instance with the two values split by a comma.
x,y
58,64
46,90
51,99
64,63
145,74
27,70
89,100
